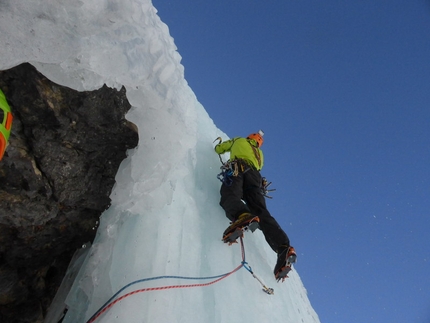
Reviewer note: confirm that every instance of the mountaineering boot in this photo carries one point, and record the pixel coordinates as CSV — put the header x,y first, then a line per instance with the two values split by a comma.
x,y
283,266
235,230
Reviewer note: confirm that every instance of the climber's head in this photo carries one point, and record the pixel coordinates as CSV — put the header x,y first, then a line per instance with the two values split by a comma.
x,y
258,137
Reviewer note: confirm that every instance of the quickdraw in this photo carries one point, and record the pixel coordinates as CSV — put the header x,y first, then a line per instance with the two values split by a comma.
x,y
267,290
225,176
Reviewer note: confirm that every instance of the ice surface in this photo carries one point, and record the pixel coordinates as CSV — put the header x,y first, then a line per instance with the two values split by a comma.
x,y
57,305
165,218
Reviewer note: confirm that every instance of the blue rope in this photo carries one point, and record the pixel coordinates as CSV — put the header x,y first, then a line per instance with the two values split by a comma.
x,y
247,266
244,263
150,279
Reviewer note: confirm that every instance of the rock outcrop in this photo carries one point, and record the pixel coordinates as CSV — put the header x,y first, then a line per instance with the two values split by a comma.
x,y
55,180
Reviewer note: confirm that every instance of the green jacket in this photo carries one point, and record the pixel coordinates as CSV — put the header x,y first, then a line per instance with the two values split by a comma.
x,y
242,148
5,123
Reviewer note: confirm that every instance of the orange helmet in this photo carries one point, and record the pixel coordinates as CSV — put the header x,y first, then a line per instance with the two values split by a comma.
x,y
258,137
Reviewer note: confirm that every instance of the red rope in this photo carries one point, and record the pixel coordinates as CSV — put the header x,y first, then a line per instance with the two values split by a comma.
x,y
149,289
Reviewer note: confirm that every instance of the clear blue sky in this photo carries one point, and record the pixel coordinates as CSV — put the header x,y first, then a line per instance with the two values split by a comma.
x,y
342,91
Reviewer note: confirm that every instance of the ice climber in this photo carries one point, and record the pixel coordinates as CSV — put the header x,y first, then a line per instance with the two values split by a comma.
x,y
243,198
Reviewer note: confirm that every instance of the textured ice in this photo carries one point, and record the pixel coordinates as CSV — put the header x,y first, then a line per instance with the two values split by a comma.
x,y
165,218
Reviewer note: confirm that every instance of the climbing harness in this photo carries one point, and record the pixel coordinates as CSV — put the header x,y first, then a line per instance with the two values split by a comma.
x,y
231,169
115,299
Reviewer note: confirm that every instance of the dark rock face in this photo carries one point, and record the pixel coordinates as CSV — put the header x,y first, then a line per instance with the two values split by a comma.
x,y
55,180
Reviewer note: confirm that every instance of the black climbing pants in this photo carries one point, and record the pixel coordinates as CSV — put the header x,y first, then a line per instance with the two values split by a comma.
x,y
246,186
